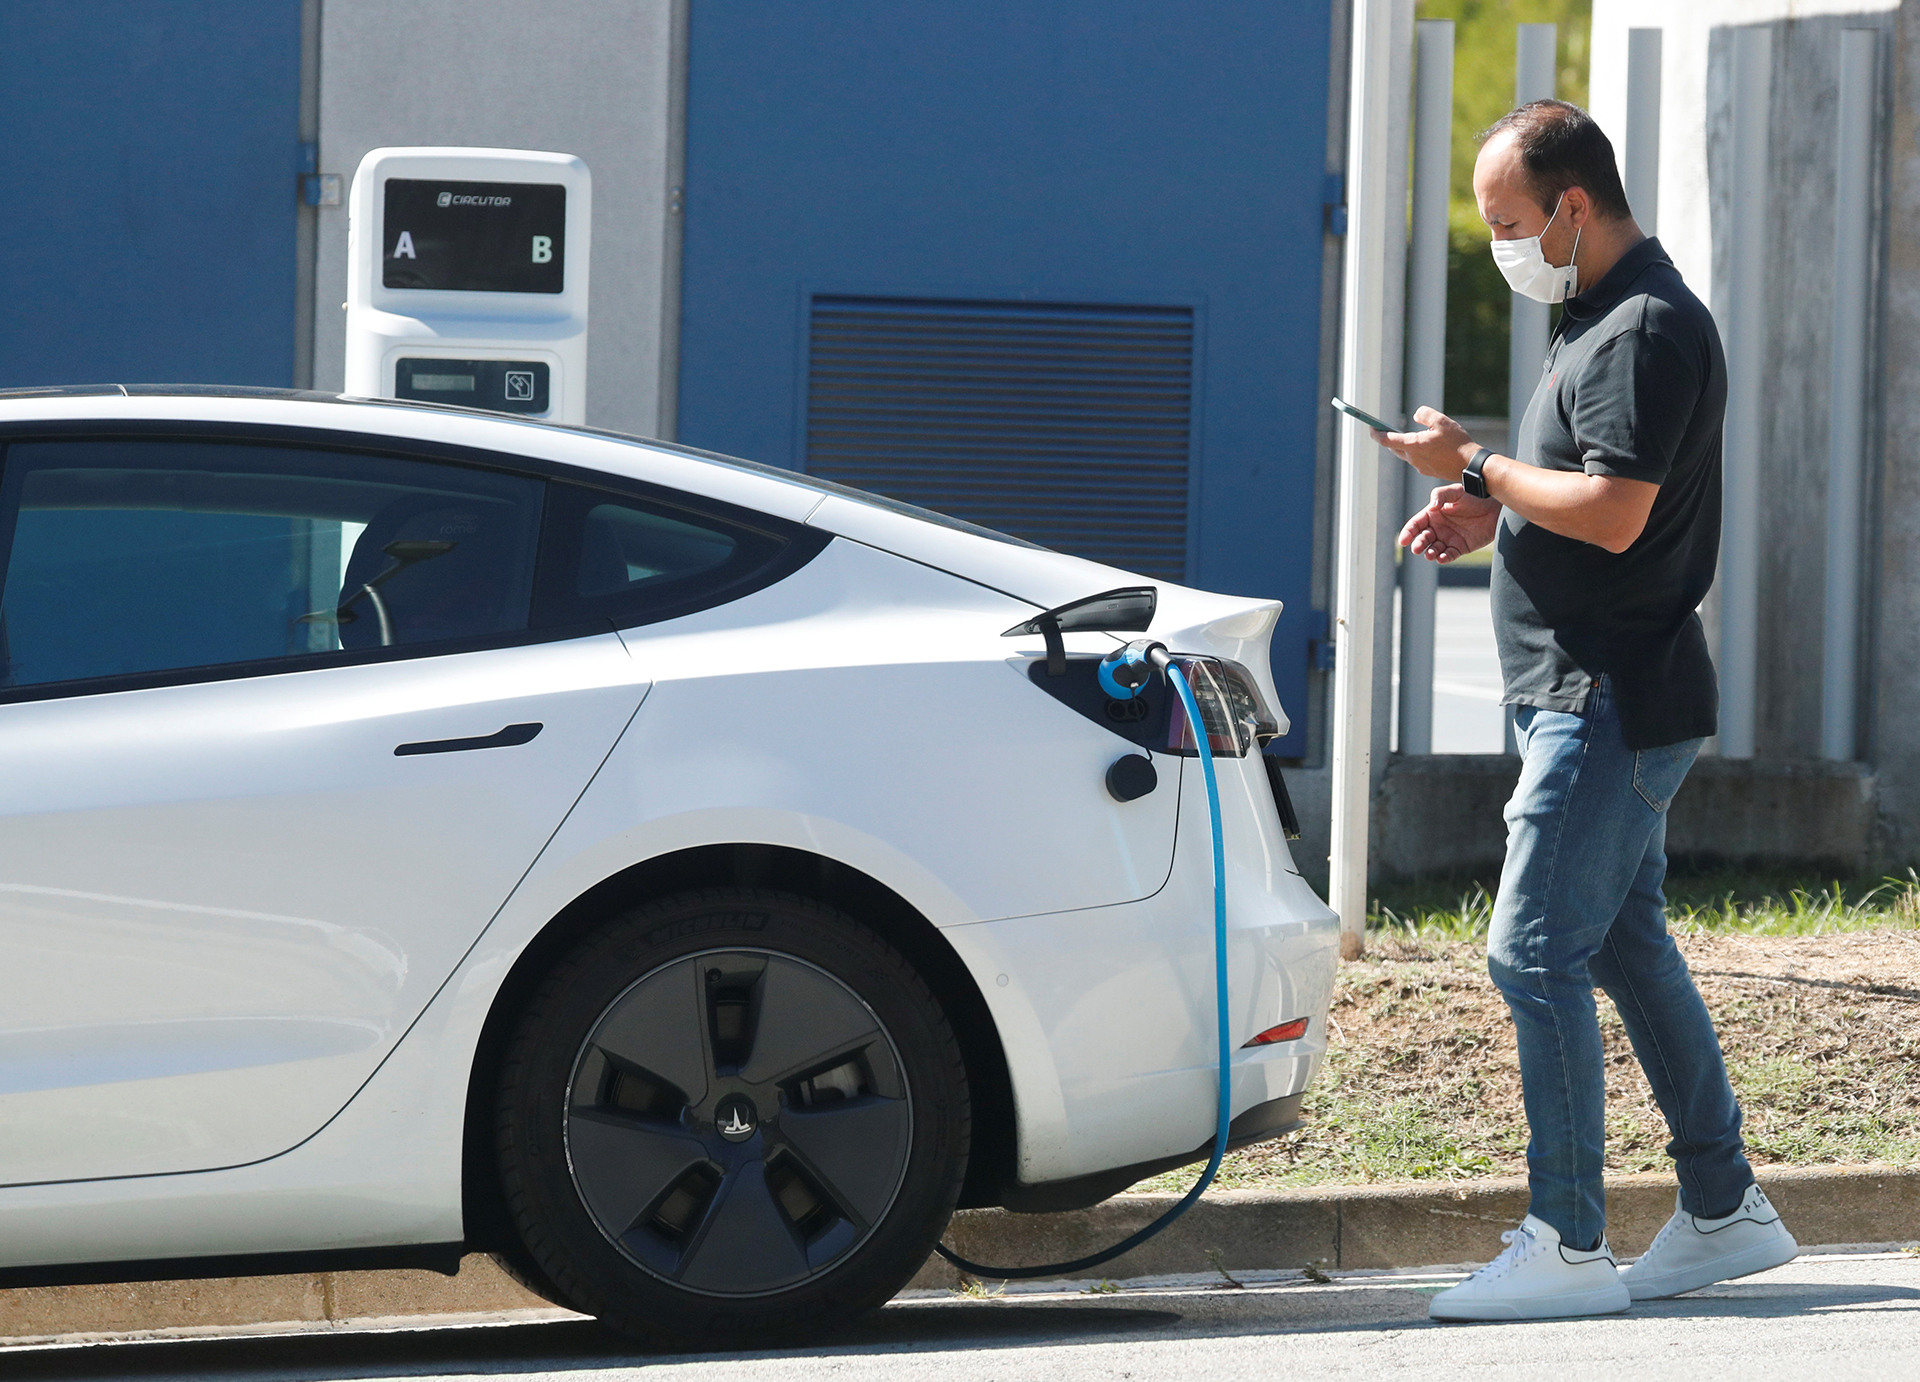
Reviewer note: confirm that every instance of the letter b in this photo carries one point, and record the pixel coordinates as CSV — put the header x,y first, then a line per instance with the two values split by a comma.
x,y
543,249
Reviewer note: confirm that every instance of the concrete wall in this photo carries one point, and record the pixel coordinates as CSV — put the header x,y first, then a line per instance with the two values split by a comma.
x,y
1894,718
1698,228
1442,816
591,77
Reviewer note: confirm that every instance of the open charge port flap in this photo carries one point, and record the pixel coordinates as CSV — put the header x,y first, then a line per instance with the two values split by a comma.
x,y
1142,720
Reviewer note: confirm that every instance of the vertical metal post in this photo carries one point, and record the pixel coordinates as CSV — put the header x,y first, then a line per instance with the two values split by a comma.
x,y
1746,350
1426,356
306,223
1643,127
1393,373
1363,323
1531,321
667,412
1846,427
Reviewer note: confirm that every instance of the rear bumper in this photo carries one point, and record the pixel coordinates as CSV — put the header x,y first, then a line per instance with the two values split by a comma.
x,y
1107,1015
1260,1123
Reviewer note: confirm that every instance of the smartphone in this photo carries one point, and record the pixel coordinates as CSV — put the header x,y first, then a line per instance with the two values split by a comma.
x,y
1367,418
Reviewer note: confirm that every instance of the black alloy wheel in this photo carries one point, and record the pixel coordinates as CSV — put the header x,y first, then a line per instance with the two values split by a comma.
x,y
732,1114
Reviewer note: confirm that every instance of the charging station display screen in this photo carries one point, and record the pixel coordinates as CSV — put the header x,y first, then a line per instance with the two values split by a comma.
x,y
486,237
506,386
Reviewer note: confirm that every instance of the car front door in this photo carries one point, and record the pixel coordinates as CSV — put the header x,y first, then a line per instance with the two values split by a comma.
x,y
277,744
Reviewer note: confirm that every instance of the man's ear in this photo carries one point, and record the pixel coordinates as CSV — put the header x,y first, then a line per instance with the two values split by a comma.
x,y
1579,206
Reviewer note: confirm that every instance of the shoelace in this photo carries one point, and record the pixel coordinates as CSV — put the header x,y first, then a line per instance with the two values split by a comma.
x,y
1521,1245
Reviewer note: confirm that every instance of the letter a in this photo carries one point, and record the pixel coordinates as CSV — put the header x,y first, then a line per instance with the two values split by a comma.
x,y
404,249
543,249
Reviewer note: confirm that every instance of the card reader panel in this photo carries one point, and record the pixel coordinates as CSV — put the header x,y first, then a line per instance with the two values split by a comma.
x,y
505,386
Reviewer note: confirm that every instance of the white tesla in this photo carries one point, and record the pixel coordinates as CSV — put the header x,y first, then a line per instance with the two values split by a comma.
x,y
425,831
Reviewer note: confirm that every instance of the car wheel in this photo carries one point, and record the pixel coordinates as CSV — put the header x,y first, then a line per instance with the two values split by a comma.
x,y
731,1114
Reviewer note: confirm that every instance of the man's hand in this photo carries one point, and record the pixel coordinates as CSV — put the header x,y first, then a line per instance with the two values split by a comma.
x,y
1453,524
1441,451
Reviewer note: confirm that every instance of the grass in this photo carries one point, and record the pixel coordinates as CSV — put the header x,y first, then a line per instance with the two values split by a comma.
x,y
1742,904
1814,986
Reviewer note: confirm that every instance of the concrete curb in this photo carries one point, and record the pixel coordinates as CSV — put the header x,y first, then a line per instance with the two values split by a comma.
x,y
1350,1227
1338,1227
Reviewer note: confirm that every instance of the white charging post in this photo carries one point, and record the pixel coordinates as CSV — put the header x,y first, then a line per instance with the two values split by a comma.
x,y
467,279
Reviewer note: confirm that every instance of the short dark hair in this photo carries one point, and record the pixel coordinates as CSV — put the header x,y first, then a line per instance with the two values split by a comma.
x,y
1560,147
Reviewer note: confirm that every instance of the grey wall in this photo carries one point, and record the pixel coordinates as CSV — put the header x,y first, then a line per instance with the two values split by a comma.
x,y
1698,227
592,78
1800,266
1894,723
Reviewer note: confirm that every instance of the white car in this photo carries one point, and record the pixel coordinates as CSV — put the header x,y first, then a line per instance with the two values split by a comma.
x,y
425,831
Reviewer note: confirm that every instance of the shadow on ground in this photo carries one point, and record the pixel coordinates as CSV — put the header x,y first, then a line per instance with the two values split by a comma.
x,y
905,1327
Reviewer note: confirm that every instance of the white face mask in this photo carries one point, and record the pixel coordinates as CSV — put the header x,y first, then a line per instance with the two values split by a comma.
x,y
1524,265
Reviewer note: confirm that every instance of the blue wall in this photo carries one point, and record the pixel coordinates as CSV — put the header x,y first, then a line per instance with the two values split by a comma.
x,y
1123,151
148,152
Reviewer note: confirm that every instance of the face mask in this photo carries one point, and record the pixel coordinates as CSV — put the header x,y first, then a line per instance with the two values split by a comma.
x,y
1524,265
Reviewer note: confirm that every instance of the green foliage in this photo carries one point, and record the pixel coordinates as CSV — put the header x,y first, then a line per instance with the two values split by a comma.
x,y
1478,304
1483,56
1477,298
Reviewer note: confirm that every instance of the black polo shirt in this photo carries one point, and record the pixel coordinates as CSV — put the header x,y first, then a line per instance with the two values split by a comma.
x,y
1634,385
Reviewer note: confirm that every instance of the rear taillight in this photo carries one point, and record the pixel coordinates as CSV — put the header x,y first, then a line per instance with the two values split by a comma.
x,y
1286,1031
1234,711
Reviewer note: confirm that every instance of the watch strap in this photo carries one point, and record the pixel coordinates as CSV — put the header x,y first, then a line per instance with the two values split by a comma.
x,y
1472,478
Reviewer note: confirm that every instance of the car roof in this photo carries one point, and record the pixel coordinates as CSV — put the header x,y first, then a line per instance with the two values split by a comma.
x,y
1036,575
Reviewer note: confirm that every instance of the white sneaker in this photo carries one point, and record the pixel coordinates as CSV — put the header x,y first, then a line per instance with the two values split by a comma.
x,y
1691,1253
1536,1278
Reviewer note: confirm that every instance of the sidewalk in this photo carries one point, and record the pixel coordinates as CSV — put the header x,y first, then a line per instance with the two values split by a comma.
x,y
1330,1228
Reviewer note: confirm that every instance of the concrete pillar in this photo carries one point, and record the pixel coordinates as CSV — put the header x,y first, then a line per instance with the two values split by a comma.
x,y
1744,332
1393,378
590,77
1531,321
1362,359
1426,357
1642,172
1858,72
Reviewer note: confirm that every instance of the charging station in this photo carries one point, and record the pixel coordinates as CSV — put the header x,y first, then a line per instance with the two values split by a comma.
x,y
467,279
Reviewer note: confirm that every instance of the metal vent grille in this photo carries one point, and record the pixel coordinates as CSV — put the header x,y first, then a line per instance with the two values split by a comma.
x,y
1065,425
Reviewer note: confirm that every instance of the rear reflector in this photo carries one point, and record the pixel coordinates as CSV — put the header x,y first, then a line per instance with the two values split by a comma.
x,y
1286,1031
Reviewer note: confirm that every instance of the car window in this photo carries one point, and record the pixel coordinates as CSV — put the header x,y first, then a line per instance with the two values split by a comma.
x,y
612,557
131,557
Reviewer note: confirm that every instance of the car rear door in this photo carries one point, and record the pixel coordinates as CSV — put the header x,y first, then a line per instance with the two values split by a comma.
x,y
278,743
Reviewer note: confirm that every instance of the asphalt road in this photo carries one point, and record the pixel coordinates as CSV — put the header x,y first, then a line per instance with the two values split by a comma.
x,y
1467,715
1828,1317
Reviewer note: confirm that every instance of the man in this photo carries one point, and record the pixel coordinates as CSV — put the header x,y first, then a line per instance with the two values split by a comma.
x,y
1606,521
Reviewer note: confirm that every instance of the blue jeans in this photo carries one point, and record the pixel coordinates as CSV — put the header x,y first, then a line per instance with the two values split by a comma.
x,y
1579,905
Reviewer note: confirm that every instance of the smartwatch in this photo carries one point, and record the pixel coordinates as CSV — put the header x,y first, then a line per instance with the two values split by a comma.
x,y
1471,478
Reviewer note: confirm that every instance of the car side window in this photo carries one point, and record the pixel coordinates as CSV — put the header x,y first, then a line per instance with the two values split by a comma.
x,y
617,558
126,558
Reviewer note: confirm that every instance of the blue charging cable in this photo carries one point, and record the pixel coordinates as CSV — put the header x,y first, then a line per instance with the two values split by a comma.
x,y
1119,688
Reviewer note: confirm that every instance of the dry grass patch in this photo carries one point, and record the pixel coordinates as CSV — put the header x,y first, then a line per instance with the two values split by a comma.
x,y
1422,1081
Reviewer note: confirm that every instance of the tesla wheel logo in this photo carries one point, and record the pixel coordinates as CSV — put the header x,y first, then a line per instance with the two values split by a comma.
x,y
734,1120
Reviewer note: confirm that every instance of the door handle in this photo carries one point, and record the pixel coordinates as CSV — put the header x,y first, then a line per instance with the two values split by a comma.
x,y
505,739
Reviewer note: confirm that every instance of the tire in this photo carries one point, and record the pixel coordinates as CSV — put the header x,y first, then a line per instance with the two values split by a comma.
x,y
731,1115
